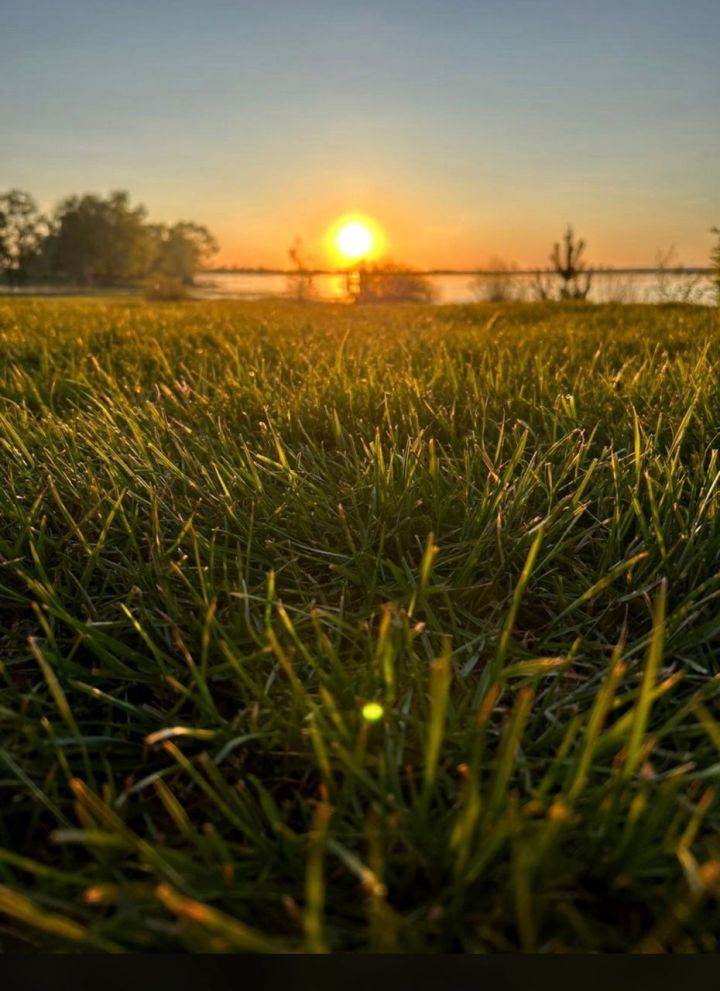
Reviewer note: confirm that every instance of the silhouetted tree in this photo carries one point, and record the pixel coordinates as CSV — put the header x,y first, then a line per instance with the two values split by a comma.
x,y
568,265
22,233
179,250
101,240
95,240
300,282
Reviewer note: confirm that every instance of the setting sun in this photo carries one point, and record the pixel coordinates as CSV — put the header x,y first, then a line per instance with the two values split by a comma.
x,y
319,466
353,238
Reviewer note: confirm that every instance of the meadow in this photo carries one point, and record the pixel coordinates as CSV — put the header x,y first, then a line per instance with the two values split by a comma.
x,y
386,629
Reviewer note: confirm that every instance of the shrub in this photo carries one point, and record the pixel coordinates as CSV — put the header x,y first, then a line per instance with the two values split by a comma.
x,y
390,283
164,290
496,285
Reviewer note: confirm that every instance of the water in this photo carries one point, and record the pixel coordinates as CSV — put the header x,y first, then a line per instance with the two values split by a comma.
x,y
606,287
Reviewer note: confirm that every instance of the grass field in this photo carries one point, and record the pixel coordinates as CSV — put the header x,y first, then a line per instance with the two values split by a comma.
x,y
359,630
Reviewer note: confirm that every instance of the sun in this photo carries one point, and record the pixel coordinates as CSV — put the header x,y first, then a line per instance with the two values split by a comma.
x,y
354,238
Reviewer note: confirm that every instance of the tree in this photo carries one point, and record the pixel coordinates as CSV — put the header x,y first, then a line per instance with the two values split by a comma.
x,y
95,240
300,282
22,233
180,250
567,263
101,240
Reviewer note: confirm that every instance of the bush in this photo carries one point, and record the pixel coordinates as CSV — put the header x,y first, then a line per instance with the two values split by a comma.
x,y
496,285
163,290
390,283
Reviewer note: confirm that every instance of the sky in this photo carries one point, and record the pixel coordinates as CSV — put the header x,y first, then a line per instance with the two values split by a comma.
x,y
469,130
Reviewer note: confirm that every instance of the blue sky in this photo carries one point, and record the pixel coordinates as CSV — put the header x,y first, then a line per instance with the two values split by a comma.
x,y
467,129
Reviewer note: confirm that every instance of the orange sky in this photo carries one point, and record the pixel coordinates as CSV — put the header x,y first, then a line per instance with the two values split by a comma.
x,y
469,129
457,238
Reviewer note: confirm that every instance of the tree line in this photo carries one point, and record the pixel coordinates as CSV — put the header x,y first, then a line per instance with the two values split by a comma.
x,y
96,241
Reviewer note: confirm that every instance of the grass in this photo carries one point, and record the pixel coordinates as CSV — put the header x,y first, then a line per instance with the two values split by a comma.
x,y
359,630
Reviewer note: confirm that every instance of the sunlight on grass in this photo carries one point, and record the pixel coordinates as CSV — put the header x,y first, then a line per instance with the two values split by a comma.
x,y
372,711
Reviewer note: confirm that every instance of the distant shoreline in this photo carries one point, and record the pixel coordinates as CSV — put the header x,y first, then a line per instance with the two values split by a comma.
x,y
677,270
622,285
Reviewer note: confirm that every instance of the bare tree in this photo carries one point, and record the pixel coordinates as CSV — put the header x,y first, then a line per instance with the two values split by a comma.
x,y
674,285
301,286
567,266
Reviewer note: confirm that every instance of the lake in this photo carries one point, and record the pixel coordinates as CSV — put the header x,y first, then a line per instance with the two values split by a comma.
x,y
606,287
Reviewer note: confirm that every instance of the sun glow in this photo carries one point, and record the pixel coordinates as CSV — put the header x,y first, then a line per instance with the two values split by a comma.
x,y
353,239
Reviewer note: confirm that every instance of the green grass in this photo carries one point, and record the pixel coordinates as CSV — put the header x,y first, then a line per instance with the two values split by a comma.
x,y
226,529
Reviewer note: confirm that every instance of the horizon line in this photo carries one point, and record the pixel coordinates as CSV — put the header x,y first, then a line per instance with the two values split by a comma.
x,y
597,270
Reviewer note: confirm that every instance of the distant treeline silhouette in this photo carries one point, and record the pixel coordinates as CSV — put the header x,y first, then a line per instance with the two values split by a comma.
x,y
96,241
100,241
